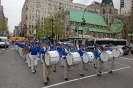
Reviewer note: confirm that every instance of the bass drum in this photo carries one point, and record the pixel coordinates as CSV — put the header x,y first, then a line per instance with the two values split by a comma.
x,y
73,58
117,52
88,57
106,56
51,58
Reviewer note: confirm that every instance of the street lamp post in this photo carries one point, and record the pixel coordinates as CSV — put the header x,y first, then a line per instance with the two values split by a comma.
x,y
83,23
52,29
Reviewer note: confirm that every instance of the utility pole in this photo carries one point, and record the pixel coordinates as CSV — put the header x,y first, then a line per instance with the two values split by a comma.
x,y
52,29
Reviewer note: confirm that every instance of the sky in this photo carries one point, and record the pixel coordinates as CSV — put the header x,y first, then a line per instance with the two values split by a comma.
x,y
12,10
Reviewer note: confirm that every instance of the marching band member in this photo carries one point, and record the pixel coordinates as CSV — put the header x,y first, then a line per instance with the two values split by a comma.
x,y
99,62
16,45
66,66
87,50
61,56
111,62
20,48
46,69
34,50
29,55
23,53
81,51
53,49
41,53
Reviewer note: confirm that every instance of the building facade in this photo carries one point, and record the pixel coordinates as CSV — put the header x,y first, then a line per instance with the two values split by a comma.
x,y
125,7
3,21
94,7
108,11
34,10
103,25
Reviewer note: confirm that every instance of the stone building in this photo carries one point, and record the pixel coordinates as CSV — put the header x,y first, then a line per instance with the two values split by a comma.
x,y
34,10
103,25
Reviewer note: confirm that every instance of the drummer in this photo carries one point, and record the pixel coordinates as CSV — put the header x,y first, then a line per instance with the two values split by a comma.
x,y
46,69
99,62
66,66
54,49
82,65
111,62
62,48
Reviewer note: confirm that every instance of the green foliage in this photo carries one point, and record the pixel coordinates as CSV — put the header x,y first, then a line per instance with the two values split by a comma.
x,y
58,24
3,25
44,28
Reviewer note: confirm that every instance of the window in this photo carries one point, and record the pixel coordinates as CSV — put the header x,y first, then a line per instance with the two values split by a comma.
x,y
103,11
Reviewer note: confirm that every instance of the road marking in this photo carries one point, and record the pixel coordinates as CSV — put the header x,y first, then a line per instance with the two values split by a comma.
x,y
121,64
2,49
126,58
57,84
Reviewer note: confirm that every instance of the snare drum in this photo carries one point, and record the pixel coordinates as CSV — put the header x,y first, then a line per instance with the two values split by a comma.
x,y
106,56
51,58
73,58
117,52
88,57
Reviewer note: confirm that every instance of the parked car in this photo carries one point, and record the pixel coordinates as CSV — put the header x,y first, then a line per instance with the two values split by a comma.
x,y
132,50
4,41
125,49
130,46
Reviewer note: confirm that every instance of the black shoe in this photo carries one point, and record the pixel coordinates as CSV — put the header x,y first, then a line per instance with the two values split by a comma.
x,y
100,72
62,66
48,78
66,79
81,74
86,69
98,75
95,66
54,70
33,72
45,83
110,72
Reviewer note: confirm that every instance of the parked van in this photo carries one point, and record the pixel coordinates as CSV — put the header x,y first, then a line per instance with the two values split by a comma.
x,y
3,41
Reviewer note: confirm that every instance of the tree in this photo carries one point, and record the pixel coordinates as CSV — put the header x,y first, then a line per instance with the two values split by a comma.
x,y
3,25
58,24
44,28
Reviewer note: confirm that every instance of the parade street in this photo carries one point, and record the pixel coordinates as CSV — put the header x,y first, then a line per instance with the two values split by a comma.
x,y
14,73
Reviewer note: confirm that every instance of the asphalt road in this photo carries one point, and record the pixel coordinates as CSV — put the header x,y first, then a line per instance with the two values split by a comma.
x,y
14,73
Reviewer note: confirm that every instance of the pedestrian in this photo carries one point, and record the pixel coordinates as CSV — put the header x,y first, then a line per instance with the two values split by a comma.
x,y
5,45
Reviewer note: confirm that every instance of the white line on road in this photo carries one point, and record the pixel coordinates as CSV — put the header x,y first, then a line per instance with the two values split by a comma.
x,y
83,78
126,58
121,64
